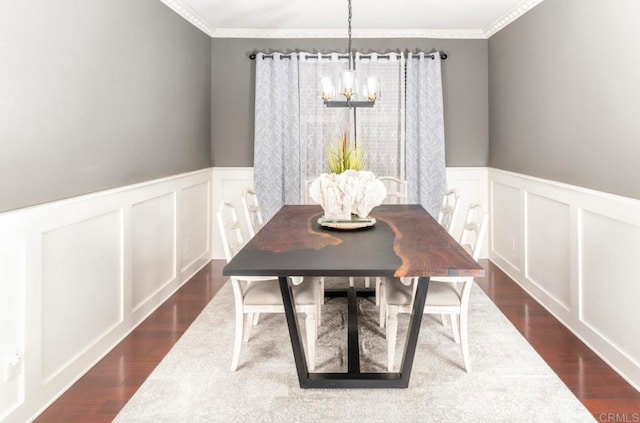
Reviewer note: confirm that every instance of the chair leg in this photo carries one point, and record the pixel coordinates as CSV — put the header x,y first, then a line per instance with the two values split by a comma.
x,y
238,340
464,342
319,302
319,318
312,329
383,306
443,319
366,282
378,282
392,332
455,327
256,317
351,281
248,321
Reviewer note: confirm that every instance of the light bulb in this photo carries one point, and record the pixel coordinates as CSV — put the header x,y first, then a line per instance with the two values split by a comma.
x,y
327,88
371,88
347,83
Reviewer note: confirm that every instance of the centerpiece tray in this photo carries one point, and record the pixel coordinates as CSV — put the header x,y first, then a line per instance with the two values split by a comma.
x,y
347,224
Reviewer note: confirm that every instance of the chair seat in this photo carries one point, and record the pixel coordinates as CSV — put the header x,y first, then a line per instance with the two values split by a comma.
x,y
439,293
268,293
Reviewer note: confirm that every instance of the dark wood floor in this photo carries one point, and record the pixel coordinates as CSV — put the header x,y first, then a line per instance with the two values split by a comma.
x,y
105,389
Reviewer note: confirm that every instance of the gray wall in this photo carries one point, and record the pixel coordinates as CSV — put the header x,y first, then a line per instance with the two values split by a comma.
x,y
98,94
465,79
564,85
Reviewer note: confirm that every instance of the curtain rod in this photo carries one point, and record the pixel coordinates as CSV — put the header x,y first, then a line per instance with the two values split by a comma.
x,y
253,56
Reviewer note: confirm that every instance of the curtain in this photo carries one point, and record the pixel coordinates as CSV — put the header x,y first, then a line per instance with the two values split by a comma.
x,y
277,133
320,126
425,151
380,129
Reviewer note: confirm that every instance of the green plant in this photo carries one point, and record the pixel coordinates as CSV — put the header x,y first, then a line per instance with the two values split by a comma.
x,y
340,157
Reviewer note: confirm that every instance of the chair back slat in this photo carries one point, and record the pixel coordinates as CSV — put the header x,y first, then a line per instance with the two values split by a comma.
x,y
252,211
449,209
473,230
230,232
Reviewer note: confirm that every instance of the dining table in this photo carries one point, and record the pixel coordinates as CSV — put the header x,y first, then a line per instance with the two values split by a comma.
x,y
405,241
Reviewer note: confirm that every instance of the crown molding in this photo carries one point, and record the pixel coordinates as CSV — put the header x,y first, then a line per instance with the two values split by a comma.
x,y
342,33
191,16
513,14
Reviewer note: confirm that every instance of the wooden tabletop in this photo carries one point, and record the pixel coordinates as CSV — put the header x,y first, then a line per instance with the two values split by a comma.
x,y
405,241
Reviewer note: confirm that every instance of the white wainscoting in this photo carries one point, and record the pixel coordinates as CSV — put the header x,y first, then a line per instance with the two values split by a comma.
x,y
575,250
76,276
230,182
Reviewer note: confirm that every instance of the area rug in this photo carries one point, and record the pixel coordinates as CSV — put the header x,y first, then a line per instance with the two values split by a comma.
x,y
510,382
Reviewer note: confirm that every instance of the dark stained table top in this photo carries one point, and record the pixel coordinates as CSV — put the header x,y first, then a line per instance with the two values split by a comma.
x,y
405,241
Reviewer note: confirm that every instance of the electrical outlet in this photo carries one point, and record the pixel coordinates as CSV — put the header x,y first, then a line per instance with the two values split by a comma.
x,y
12,365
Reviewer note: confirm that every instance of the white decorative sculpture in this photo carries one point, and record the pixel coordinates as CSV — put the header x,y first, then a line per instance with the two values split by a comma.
x,y
352,191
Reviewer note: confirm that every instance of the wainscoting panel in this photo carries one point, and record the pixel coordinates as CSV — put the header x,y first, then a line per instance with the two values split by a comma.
x,y
580,250
195,216
80,263
610,286
506,227
12,284
153,257
230,182
77,275
548,253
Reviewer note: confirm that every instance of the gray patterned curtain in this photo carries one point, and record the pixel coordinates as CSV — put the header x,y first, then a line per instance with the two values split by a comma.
x,y
277,133
424,150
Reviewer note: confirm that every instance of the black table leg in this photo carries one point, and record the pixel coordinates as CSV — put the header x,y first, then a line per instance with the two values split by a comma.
x,y
354,378
414,328
294,330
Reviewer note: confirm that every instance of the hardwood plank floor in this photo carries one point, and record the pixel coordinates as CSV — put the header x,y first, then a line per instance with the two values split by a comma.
x,y
602,391
100,394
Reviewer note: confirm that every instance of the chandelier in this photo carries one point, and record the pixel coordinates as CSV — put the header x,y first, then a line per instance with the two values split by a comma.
x,y
349,85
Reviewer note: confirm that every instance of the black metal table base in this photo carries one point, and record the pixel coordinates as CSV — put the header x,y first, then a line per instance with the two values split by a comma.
x,y
353,378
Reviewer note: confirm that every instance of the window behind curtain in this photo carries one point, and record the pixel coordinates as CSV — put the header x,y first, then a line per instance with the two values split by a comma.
x,y
320,126
380,129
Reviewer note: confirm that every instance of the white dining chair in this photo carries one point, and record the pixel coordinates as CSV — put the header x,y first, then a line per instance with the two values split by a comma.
x,y
444,295
396,190
449,210
396,194
257,294
306,197
252,211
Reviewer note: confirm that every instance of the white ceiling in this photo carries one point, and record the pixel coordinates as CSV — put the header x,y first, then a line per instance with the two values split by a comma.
x,y
371,18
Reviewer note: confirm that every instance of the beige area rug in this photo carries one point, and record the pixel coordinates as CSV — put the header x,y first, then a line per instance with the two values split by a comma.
x,y
510,382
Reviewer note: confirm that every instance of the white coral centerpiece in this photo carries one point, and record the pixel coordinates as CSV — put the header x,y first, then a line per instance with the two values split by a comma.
x,y
350,192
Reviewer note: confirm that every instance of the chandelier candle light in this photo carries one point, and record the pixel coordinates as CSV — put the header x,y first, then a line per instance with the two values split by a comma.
x,y
348,83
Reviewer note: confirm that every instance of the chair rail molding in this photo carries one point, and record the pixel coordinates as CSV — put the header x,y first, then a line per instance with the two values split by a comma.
x,y
77,275
574,250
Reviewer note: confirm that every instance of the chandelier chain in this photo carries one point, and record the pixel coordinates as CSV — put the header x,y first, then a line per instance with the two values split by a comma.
x,y
350,54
